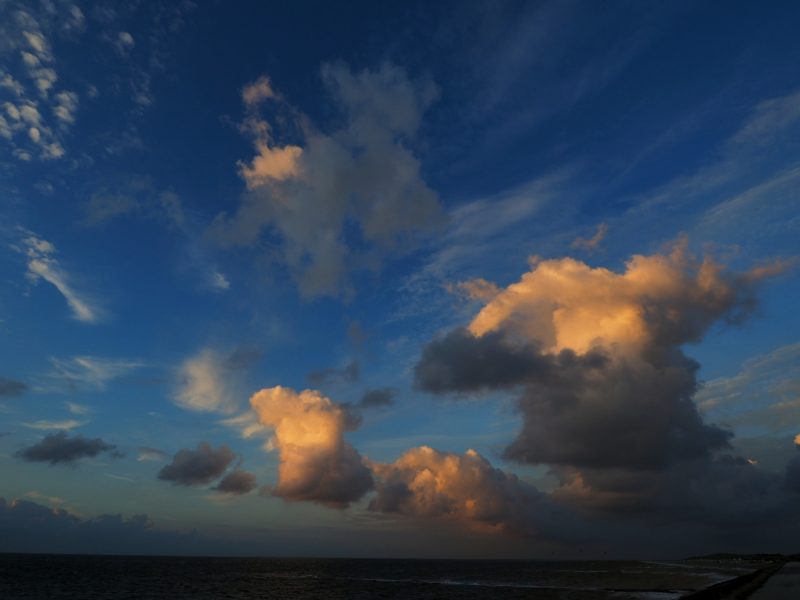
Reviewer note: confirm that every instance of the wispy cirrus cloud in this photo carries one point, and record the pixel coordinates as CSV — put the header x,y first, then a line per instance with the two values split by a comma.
x,y
64,425
90,372
43,265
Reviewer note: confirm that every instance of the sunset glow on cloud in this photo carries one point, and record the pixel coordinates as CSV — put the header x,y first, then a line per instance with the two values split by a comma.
x,y
461,280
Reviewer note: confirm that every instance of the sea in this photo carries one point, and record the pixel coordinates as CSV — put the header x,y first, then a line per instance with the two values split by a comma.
x,y
55,577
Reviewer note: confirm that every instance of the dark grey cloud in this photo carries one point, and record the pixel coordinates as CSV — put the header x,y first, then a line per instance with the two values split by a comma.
x,y
243,357
348,374
237,482
60,448
631,413
31,527
12,387
462,362
377,397
334,479
792,479
589,410
197,467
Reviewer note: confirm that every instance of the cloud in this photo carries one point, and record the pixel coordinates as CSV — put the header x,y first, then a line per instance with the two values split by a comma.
x,y
347,374
363,174
591,244
764,395
77,409
197,467
258,91
316,463
124,43
237,482
12,387
597,356
147,454
377,397
42,264
38,113
92,372
426,483
208,380
58,448
31,527
65,425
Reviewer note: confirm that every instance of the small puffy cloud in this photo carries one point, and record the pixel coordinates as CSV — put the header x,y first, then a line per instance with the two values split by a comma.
x,y
347,374
43,265
65,107
426,483
77,409
197,467
124,43
316,463
147,454
592,243
12,387
364,174
237,482
377,397
59,448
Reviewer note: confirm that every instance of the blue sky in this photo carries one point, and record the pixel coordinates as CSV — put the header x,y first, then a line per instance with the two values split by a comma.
x,y
200,202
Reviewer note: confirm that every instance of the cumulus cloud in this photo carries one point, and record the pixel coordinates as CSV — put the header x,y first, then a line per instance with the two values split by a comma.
x,y
197,467
124,43
426,483
237,483
12,387
60,448
364,173
347,374
596,354
316,463
43,265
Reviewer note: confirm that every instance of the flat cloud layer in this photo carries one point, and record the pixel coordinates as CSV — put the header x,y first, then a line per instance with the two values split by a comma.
x,y
365,173
316,463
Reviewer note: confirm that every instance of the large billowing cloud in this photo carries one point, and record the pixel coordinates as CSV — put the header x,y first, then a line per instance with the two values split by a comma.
x,y
597,355
316,463
197,467
426,483
364,174
59,448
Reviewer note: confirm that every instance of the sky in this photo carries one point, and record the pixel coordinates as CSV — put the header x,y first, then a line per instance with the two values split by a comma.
x,y
402,279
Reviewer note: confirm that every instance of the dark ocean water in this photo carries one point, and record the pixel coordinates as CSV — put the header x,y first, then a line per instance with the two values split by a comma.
x,y
161,578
